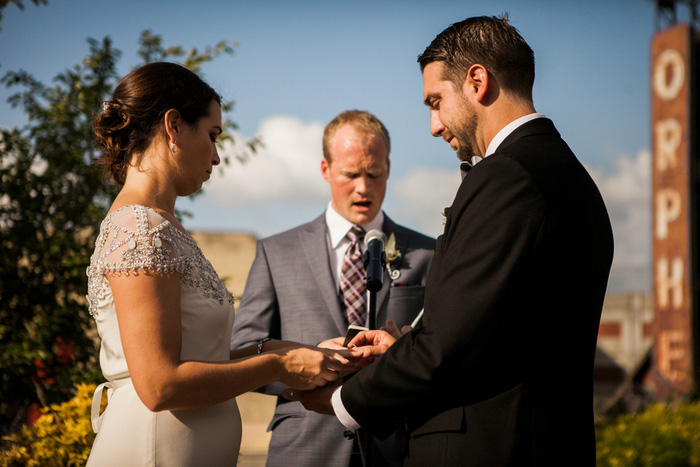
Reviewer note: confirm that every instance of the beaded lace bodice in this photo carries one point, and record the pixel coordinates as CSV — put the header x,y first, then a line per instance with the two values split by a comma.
x,y
136,238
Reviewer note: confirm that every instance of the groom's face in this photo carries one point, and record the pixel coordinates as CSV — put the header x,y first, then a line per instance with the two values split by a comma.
x,y
357,174
452,115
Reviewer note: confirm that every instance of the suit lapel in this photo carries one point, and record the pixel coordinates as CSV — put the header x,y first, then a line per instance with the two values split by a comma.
x,y
313,242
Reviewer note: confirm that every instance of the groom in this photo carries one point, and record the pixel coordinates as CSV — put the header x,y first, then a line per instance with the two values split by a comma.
x,y
294,290
501,373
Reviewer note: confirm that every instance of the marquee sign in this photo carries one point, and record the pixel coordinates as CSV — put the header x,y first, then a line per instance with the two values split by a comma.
x,y
674,213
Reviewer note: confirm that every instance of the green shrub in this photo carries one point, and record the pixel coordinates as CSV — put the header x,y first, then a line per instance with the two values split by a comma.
x,y
660,436
62,436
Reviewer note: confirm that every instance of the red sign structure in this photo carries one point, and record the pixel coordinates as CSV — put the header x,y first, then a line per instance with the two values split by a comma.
x,y
674,370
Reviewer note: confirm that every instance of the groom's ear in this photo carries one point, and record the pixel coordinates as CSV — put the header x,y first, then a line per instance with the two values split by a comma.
x,y
476,83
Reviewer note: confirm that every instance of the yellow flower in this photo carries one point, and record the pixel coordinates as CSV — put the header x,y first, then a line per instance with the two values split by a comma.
x,y
61,436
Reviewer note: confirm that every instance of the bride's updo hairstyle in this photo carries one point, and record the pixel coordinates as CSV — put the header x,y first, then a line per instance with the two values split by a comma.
x,y
134,114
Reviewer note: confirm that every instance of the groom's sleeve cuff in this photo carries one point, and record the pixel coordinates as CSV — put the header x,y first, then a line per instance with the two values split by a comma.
x,y
343,416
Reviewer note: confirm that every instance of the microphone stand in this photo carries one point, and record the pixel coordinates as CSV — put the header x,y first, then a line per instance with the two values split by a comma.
x,y
371,309
372,289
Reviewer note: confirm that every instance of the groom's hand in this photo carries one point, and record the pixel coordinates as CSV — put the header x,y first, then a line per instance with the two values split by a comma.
x,y
394,330
371,345
318,400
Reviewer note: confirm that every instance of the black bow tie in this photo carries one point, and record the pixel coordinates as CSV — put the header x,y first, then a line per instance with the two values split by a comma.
x,y
465,167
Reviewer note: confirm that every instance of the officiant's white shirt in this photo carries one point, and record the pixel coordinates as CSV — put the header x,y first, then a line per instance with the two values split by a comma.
x,y
337,241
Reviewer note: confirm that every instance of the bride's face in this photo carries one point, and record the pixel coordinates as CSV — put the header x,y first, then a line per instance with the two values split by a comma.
x,y
197,153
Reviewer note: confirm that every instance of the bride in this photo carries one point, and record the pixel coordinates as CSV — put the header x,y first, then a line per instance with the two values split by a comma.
x,y
163,315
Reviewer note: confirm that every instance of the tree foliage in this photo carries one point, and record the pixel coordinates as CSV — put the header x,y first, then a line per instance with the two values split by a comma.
x,y
661,435
51,203
19,4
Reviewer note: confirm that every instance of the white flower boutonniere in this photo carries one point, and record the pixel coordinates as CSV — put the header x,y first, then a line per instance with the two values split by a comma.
x,y
392,255
445,213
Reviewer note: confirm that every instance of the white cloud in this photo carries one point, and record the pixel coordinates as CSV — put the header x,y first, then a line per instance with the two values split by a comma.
x,y
281,186
276,184
285,170
285,175
627,195
418,199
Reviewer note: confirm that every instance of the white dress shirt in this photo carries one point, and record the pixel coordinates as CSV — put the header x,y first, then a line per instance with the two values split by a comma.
x,y
337,241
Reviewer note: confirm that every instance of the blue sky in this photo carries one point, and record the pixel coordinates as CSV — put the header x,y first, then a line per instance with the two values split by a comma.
x,y
298,64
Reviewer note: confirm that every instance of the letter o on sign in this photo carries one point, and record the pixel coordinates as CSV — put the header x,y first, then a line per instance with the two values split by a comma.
x,y
665,88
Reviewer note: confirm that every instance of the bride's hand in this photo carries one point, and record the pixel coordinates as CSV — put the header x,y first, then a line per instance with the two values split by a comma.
x,y
335,343
308,368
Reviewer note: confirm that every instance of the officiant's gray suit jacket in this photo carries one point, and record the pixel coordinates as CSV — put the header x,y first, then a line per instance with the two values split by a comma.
x,y
291,294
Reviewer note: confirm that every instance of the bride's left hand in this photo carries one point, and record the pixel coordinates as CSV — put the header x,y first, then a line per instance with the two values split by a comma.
x,y
336,344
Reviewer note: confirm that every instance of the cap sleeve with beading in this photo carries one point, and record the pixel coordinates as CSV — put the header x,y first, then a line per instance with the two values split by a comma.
x,y
138,239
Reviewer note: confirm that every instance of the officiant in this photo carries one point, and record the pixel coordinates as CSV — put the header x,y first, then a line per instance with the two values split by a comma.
x,y
308,285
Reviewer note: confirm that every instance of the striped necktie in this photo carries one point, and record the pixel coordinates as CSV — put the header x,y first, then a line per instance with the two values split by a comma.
x,y
352,279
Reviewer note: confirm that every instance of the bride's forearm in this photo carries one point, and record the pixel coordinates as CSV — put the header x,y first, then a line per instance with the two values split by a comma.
x,y
194,384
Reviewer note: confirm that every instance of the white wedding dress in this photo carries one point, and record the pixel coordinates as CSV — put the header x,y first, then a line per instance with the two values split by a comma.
x,y
136,238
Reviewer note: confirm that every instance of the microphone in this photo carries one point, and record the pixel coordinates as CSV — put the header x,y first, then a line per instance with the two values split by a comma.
x,y
375,258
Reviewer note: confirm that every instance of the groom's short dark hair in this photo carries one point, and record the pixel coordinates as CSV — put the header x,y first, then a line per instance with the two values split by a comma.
x,y
489,41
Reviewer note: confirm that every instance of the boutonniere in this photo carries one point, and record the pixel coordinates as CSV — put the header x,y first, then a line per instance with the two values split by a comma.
x,y
392,255
445,213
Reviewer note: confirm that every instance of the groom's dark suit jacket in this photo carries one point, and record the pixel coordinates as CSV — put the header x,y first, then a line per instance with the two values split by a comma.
x,y
291,294
501,372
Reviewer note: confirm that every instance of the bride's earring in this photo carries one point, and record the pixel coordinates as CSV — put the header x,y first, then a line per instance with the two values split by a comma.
x,y
173,148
